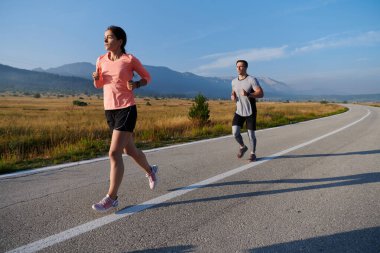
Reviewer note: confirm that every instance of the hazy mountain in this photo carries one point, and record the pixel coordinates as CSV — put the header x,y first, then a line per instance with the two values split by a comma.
x,y
320,92
273,86
39,69
70,79
14,79
167,82
79,69
338,98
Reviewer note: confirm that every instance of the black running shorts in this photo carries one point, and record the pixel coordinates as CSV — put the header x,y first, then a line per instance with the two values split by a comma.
x,y
122,119
239,121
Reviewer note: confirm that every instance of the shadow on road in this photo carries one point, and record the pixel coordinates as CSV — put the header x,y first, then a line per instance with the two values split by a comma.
x,y
179,249
358,179
363,240
345,180
367,152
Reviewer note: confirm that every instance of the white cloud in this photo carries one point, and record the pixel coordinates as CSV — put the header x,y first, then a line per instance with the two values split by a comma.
x,y
228,59
334,41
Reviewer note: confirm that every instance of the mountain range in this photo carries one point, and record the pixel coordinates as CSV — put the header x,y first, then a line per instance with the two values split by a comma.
x,y
22,80
76,78
167,82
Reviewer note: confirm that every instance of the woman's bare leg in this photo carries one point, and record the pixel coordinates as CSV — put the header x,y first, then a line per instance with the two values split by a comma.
x,y
118,142
136,154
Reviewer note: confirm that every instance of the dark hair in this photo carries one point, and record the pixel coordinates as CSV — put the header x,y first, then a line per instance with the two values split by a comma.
x,y
243,61
119,34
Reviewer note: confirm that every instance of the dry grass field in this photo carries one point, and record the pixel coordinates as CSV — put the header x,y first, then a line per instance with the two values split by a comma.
x,y
37,132
375,104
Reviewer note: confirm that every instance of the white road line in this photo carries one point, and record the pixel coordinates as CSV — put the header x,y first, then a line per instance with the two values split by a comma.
x,y
76,231
72,164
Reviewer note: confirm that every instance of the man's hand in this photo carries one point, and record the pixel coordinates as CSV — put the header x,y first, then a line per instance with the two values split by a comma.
x,y
233,95
244,93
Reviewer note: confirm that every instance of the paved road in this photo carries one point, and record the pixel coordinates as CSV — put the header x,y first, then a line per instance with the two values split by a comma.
x,y
315,188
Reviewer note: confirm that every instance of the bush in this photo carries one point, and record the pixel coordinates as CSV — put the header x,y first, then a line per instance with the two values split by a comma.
x,y
79,103
199,112
37,95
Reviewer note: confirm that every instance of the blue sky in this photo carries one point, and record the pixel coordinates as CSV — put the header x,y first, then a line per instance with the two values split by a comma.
x,y
322,45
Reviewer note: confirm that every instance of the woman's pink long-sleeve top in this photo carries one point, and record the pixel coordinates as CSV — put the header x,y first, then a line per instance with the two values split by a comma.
x,y
113,78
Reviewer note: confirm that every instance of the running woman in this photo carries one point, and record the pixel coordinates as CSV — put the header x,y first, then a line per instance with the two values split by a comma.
x,y
245,90
114,73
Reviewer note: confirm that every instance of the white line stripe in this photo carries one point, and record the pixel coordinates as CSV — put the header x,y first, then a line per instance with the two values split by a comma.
x,y
76,231
72,164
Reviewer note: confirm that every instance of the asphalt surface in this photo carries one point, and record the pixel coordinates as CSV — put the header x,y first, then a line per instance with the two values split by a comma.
x,y
315,188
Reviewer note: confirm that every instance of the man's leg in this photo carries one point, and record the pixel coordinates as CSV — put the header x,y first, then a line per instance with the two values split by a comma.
x,y
237,123
251,125
237,135
252,140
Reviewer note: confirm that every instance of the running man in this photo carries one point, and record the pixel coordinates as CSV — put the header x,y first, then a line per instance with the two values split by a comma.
x,y
245,90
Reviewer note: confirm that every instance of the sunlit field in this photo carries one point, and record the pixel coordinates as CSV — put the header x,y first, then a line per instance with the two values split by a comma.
x,y
375,104
37,132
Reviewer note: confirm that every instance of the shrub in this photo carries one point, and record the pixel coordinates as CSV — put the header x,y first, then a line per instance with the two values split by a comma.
x,y
199,112
79,103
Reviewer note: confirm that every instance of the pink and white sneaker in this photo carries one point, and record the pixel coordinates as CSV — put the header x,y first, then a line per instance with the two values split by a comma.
x,y
105,204
153,177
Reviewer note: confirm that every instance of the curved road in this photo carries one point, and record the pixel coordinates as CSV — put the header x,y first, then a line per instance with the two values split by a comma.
x,y
315,188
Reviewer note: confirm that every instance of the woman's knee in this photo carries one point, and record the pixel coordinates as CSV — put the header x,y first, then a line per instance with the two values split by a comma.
x,y
114,153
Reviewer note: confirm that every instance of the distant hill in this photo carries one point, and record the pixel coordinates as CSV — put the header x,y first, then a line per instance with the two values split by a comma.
x,y
339,98
14,79
76,78
167,82
271,86
79,69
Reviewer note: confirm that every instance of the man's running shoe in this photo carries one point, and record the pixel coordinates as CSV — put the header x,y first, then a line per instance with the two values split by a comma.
x,y
105,204
242,152
153,177
252,158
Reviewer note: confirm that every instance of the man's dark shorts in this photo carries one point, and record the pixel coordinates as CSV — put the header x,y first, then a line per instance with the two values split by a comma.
x,y
122,119
251,121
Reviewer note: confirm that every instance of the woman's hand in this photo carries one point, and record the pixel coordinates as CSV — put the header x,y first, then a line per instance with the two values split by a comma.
x,y
95,75
131,85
